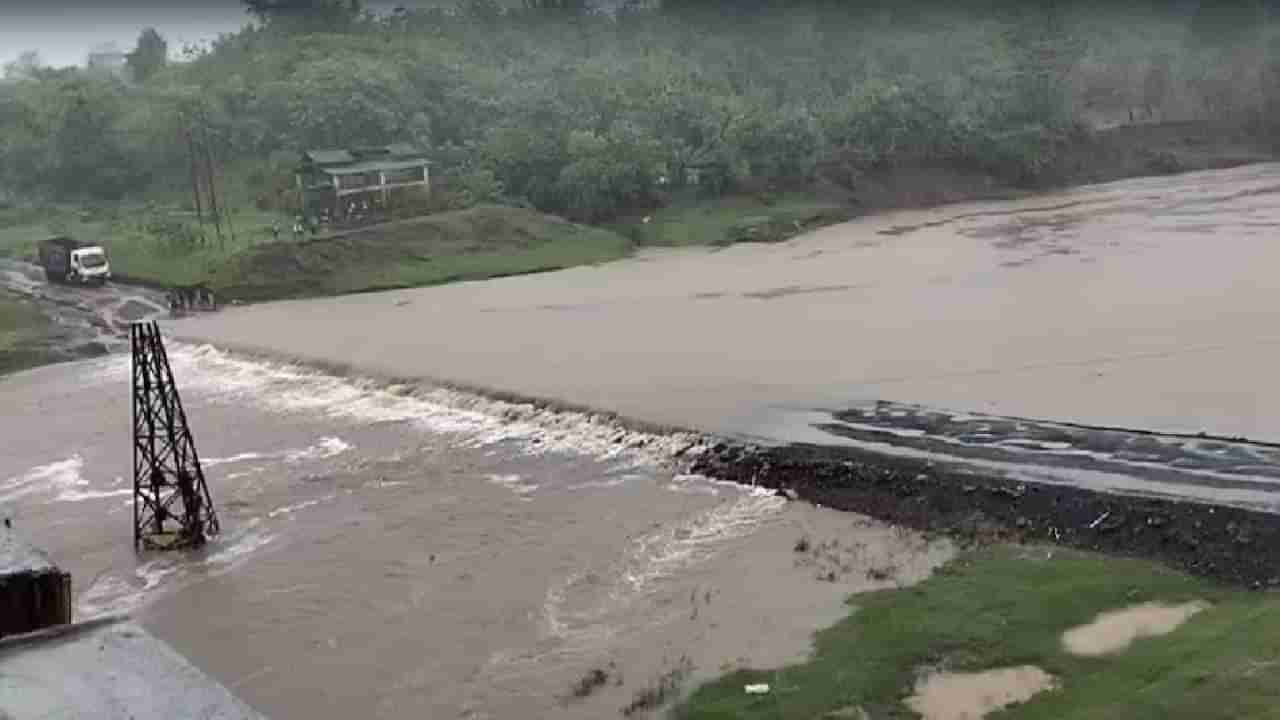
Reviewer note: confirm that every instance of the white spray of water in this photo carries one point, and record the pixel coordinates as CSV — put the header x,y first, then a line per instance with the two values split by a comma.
x,y
62,475
289,388
323,450
287,509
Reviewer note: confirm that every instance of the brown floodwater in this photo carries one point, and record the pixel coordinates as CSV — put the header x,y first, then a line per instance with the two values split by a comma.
x,y
404,551
398,552
1144,303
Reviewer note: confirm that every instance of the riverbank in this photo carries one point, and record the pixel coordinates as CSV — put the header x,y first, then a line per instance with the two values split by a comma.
x,y
841,193
155,244
26,335
1035,631
42,323
22,326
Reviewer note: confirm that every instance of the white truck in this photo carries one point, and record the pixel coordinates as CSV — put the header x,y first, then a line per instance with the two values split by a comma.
x,y
66,260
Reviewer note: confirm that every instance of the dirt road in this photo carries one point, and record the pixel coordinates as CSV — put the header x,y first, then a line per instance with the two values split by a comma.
x,y
88,321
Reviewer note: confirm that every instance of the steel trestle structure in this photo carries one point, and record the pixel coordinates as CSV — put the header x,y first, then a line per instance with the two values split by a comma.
x,y
172,508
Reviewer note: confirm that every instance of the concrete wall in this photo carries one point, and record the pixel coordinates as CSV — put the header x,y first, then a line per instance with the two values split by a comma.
x,y
34,600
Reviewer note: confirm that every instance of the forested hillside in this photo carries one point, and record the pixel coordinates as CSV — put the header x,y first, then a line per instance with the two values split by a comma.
x,y
591,113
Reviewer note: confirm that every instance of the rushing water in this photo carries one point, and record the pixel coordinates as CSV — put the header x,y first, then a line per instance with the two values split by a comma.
x,y
396,551
1145,304
401,552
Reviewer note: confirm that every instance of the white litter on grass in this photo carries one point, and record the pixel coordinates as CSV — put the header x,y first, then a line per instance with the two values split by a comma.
x,y
759,689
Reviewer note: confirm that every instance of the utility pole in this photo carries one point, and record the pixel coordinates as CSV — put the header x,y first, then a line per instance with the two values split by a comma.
x,y
211,179
195,176
204,172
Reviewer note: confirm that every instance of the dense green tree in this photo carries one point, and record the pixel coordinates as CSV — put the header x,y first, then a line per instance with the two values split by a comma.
x,y
27,66
556,105
150,55
306,15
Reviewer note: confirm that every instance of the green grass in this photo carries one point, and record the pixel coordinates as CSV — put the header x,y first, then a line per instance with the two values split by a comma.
x,y
128,233
1008,606
22,329
735,218
472,244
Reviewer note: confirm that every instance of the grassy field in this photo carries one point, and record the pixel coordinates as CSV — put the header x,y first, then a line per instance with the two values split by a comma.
x,y
1008,606
159,243
22,330
146,242
152,245
767,217
472,244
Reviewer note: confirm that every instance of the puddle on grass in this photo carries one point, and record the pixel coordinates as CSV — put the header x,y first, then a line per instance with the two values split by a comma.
x,y
1115,630
971,696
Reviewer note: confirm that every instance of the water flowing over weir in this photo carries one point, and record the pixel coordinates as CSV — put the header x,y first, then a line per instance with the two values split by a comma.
x,y
413,551
1142,304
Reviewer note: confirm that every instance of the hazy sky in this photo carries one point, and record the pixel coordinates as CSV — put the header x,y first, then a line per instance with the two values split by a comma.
x,y
64,31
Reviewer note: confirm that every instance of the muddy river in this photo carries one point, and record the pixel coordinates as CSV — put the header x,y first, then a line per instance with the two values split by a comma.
x,y
405,551
398,553
1145,304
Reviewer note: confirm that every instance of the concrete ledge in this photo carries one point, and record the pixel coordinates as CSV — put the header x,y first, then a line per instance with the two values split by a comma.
x,y
107,670
34,593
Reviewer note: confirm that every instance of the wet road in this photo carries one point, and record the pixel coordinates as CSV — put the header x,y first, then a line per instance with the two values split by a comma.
x,y
1145,304
87,320
396,552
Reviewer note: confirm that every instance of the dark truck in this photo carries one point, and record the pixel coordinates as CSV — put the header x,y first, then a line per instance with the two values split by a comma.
x,y
66,260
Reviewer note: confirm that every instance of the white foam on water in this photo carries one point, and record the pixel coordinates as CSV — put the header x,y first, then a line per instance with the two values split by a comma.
x,y
578,612
108,595
290,388
62,475
514,483
669,550
71,495
123,593
581,632
323,450
287,509
246,544
242,457
609,483
682,484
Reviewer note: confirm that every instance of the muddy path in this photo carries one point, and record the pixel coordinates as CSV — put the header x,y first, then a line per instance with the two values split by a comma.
x,y
87,320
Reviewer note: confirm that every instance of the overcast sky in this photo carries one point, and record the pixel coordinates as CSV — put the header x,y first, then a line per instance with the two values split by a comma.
x,y
63,31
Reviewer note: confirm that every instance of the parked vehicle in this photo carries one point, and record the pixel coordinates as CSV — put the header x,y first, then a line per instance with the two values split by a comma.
x,y
67,260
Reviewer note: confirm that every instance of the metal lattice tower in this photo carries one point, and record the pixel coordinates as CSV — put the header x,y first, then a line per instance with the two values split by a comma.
x,y
171,503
